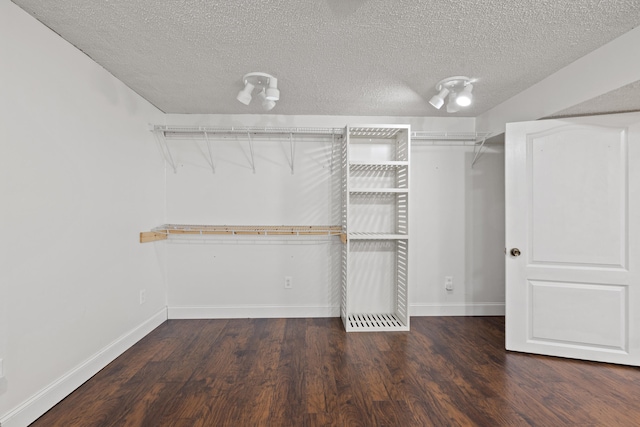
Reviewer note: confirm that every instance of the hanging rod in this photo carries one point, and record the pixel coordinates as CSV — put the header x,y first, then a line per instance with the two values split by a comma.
x,y
474,137
170,130
435,138
244,130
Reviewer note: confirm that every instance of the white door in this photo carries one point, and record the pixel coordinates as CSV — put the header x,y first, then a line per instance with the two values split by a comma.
x,y
573,214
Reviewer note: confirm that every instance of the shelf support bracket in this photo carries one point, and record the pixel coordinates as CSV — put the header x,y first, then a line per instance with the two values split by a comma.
x,y
164,147
253,162
206,137
477,153
292,144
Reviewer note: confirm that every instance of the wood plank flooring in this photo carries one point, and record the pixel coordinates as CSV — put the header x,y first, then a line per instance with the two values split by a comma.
x,y
448,371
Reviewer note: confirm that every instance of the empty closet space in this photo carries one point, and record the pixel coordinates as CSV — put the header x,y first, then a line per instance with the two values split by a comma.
x,y
236,198
268,188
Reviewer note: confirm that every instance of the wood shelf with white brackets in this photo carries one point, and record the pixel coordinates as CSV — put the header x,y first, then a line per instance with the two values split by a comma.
x,y
163,232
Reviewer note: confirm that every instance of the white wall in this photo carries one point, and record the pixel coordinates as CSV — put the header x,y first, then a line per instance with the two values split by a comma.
x,y
244,276
457,222
80,177
458,230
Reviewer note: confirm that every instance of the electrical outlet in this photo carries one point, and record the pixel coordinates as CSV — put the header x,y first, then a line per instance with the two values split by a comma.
x,y
1,369
448,283
143,296
288,282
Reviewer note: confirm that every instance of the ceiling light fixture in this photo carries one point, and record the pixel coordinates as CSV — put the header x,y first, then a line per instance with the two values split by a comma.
x,y
267,104
269,93
438,100
453,106
272,92
465,97
458,88
244,95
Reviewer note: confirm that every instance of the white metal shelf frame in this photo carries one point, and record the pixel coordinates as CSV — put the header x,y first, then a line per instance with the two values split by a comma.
x,y
385,176
379,213
381,175
396,320
373,190
369,235
376,166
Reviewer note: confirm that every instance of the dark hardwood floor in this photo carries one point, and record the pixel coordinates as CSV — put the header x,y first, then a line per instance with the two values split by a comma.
x,y
447,371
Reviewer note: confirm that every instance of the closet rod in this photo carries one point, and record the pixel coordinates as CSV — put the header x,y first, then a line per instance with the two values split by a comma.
x,y
233,130
474,137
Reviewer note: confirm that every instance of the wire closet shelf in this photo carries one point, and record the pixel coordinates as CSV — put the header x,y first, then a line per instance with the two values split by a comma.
x,y
165,133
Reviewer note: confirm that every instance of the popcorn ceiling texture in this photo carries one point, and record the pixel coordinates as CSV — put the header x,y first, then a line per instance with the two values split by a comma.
x,y
333,57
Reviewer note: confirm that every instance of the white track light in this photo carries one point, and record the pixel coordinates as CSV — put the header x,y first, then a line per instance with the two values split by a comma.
x,y
272,93
244,95
267,104
452,105
268,94
438,100
465,97
458,89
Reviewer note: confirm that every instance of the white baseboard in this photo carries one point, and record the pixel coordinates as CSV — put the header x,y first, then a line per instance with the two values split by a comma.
x,y
264,311
251,311
458,309
31,409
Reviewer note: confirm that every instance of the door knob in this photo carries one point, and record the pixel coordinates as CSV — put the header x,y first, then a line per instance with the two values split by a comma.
x,y
515,252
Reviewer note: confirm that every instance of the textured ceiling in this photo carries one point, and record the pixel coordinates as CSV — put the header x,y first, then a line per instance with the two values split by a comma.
x,y
333,57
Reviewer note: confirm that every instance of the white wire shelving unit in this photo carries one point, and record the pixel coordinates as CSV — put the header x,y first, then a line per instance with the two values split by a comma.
x,y
248,134
209,134
375,184
466,139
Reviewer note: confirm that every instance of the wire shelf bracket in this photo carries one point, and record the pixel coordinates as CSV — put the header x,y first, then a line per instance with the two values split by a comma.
x,y
252,160
478,151
206,137
292,146
164,148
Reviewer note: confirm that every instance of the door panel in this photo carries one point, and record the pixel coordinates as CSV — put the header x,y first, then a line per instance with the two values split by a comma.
x,y
573,210
589,193
578,314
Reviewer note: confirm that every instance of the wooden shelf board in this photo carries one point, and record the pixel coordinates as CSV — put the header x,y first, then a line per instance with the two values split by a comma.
x,y
151,236
164,231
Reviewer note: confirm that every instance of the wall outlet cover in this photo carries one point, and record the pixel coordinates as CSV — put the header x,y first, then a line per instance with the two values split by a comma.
x,y
448,283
